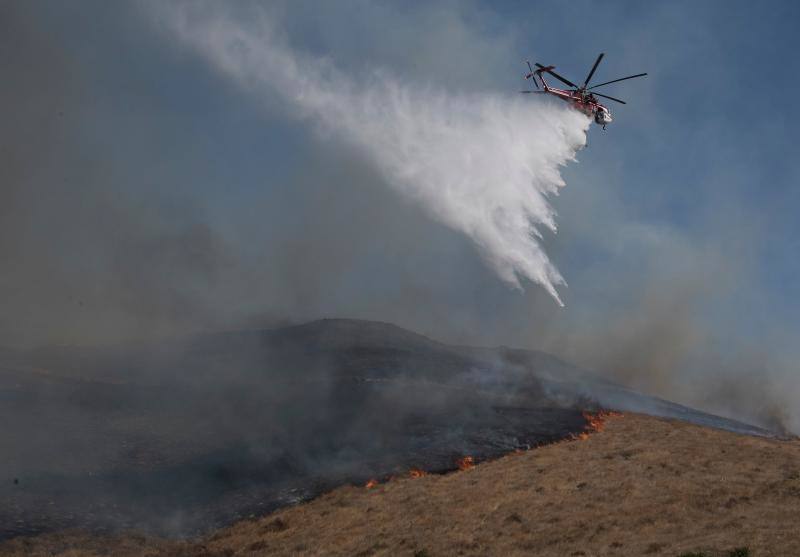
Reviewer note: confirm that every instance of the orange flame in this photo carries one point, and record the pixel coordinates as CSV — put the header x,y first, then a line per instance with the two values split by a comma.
x,y
416,473
465,463
595,423
370,484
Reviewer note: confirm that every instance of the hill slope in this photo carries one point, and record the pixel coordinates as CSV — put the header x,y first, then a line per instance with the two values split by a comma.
x,y
643,486
177,438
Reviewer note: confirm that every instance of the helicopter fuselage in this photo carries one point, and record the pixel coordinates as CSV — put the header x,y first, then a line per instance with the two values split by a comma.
x,y
585,103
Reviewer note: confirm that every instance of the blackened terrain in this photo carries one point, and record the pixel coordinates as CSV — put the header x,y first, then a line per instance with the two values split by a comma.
x,y
180,437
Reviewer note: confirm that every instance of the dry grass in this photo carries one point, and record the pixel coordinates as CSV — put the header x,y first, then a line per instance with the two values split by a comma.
x,y
644,486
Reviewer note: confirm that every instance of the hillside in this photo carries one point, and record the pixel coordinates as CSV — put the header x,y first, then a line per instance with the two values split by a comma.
x,y
642,486
182,437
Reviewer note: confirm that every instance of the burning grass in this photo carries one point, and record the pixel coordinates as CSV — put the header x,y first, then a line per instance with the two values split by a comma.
x,y
595,423
412,473
465,463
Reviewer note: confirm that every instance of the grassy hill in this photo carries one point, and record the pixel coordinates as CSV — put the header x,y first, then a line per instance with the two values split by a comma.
x,y
642,486
181,437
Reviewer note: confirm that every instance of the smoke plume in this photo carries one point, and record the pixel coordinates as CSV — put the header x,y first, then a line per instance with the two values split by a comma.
x,y
481,164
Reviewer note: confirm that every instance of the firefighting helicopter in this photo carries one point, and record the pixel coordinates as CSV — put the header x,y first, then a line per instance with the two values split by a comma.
x,y
581,98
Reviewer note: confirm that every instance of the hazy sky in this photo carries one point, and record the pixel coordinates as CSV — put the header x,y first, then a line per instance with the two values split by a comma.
x,y
143,193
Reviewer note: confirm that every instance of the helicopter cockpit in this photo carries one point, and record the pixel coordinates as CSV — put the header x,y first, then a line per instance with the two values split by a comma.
x,y
602,116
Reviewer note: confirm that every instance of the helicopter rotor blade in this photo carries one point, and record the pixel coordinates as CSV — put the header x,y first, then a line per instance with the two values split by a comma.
x,y
615,80
612,98
558,77
531,75
591,73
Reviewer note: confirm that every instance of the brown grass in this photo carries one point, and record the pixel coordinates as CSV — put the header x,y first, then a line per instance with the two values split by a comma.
x,y
643,486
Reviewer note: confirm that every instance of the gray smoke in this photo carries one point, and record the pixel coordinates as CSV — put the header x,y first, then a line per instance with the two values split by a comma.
x,y
145,194
90,249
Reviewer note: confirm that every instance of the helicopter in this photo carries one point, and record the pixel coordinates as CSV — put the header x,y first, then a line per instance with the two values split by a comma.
x,y
582,98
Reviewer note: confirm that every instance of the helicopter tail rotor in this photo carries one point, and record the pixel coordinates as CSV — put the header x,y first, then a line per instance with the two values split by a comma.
x,y
532,76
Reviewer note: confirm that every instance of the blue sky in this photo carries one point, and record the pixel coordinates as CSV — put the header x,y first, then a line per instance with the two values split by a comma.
x,y
711,137
163,199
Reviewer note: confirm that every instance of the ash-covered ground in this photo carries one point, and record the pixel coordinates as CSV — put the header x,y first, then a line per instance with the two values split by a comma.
x,y
180,437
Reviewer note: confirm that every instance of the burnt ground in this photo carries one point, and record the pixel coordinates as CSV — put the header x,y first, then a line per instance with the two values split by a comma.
x,y
179,438
642,486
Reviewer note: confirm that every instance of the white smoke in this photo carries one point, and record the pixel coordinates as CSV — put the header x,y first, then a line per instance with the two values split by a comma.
x,y
481,164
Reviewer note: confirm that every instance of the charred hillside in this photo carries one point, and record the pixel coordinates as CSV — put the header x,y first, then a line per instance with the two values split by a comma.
x,y
178,437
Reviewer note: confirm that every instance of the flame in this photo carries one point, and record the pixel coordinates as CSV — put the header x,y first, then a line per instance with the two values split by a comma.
x,y
465,463
595,423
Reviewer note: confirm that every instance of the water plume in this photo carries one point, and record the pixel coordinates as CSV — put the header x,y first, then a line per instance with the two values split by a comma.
x,y
483,164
